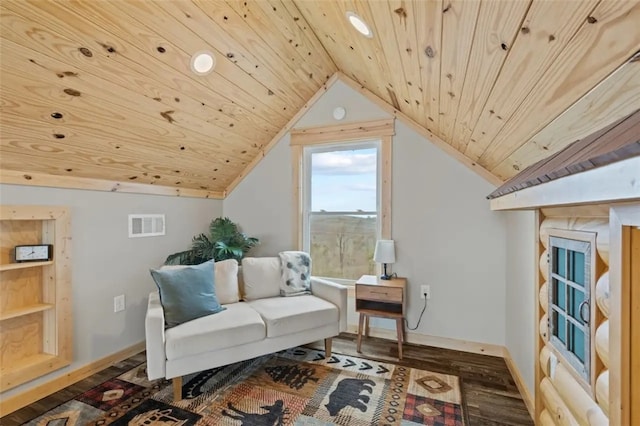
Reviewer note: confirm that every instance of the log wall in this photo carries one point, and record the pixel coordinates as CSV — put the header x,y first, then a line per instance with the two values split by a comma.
x,y
564,398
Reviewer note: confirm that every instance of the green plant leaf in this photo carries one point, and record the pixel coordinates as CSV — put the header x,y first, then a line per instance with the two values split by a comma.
x,y
225,241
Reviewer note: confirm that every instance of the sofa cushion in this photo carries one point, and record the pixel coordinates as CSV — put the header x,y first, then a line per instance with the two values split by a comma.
x,y
261,277
296,273
225,282
237,325
187,293
286,315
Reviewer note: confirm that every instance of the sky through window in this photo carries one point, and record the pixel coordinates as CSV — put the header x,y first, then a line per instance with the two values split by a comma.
x,y
344,180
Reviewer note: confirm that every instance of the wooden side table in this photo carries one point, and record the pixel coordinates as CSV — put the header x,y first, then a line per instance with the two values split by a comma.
x,y
381,298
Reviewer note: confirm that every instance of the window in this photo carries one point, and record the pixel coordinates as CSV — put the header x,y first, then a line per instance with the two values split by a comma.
x,y
342,196
341,199
571,262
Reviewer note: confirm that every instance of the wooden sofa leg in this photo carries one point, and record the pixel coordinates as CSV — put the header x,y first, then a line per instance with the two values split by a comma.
x,y
177,388
327,347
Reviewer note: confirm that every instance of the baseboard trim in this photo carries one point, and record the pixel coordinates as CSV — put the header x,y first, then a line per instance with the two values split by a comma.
x,y
15,402
439,342
520,383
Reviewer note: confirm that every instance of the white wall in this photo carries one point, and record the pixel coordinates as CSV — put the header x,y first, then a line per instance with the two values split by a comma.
x,y
446,235
521,298
107,263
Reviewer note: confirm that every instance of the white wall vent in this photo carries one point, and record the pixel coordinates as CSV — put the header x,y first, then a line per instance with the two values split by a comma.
x,y
146,225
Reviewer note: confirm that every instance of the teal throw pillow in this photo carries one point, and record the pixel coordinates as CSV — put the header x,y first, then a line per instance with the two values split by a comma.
x,y
187,293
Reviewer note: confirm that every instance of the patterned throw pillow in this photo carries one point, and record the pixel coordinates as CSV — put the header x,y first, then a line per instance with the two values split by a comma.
x,y
296,273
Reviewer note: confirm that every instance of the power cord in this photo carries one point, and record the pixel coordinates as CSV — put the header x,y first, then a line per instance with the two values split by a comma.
x,y
406,321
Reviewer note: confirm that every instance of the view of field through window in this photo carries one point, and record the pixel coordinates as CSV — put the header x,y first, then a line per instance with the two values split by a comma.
x,y
342,246
342,224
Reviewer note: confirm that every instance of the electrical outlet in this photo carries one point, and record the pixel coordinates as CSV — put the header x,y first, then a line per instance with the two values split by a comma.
x,y
118,303
425,289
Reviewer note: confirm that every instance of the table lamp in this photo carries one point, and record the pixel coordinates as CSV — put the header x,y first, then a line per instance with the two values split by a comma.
x,y
385,253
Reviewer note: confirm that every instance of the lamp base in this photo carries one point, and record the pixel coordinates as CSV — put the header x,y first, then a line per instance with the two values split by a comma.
x,y
384,275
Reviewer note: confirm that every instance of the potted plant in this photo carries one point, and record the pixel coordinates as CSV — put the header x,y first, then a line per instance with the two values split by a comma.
x,y
225,241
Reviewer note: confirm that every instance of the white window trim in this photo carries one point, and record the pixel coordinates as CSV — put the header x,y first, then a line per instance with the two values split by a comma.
x,y
583,368
334,136
595,319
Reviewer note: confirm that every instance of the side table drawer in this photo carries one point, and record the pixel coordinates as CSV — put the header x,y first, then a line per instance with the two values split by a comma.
x,y
382,294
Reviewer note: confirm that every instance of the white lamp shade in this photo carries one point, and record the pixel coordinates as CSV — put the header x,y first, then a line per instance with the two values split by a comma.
x,y
385,251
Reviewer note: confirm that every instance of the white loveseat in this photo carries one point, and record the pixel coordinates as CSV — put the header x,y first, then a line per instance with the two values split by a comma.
x,y
256,321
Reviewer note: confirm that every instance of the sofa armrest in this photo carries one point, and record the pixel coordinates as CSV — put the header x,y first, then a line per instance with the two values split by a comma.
x,y
334,293
154,332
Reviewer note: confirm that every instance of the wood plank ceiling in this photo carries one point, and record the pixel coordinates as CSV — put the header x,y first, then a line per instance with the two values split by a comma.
x,y
103,89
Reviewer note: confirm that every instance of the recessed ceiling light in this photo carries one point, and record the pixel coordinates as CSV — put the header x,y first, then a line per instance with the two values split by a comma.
x,y
359,24
202,62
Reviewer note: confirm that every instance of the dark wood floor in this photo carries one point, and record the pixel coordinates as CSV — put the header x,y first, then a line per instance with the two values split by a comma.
x,y
489,393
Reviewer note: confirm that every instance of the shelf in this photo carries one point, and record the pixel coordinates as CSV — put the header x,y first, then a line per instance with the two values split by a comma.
x,y
28,368
14,313
29,362
24,265
36,325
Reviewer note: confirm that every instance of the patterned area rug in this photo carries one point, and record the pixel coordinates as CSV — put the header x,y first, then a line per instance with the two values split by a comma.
x,y
293,387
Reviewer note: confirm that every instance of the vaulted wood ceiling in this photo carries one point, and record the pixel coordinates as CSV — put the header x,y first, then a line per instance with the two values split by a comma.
x,y
103,89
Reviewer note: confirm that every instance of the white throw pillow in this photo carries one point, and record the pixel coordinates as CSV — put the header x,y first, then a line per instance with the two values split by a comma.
x,y
261,277
296,273
225,282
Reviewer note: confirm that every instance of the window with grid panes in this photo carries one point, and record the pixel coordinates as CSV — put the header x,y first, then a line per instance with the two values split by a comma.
x,y
569,301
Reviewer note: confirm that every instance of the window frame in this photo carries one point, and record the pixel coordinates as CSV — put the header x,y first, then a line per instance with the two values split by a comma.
x,y
585,373
346,135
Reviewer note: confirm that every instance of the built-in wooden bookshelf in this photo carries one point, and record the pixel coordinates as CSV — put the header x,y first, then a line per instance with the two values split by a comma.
x,y
35,297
